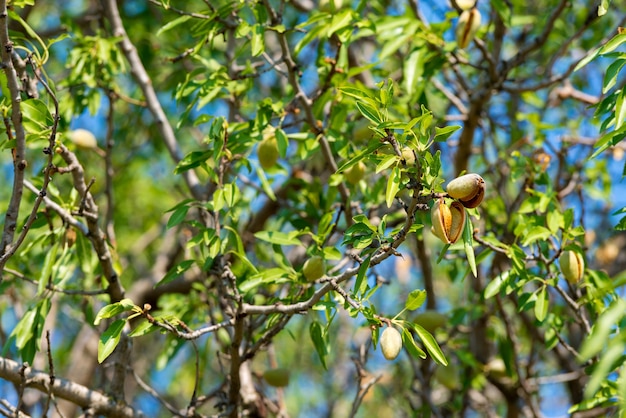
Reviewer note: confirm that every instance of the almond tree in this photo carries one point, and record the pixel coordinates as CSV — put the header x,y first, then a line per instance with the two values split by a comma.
x,y
301,208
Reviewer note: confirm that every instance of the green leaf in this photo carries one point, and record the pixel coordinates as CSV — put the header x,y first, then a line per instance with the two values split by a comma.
x,y
612,71
340,21
144,327
608,140
620,109
172,24
503,10
357,93
386,162
493,288
265,184
179,215
468,245
176,272
27,332
266,276
603,7
536,233
415,299
37,119
360,283
110,339
258,40
601,330
409,344
113,309
393,185
613,44
370,112
279,238
442,134
318,336
542,304
605,366
431,344
48,264
590,57
192,160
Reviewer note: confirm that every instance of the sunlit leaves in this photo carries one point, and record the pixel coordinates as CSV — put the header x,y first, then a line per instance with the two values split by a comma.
x,y
393,185
319,337
415,299
110,339
113,309
541,304
27,333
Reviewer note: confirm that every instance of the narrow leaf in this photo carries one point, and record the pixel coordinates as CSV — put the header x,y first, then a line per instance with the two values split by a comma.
x,y
603,327
317,336
110,339
393,185
369,112
114,309
431,344
172,24
411,347
468,245
541,304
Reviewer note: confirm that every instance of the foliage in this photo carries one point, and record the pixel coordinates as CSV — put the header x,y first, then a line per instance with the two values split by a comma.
x,y
162,271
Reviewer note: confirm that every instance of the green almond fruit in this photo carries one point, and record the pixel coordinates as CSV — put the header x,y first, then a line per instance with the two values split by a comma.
x,y
267,152
355,174
314,268
277,377
390,343
572,266
430,320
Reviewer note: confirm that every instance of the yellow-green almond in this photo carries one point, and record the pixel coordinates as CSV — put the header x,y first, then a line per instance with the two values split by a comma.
x,y
83,138
430,320
408,155
277,377
442,220
465,187
572,266
267,152
448,376
355,173
467,26
457,213
465,4
390,343
313,268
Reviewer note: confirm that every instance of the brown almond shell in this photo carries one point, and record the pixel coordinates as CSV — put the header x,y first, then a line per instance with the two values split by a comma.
x,y
476,200
442,220
457,212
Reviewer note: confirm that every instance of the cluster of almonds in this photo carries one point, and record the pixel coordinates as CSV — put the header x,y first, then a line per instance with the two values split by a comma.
x,y
449,221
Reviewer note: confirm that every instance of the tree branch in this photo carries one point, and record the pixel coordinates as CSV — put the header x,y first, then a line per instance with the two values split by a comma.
x,y
143,79
19,152
65,389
